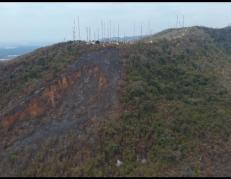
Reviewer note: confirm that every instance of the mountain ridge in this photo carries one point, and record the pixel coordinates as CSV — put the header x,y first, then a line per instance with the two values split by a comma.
x,y
159,105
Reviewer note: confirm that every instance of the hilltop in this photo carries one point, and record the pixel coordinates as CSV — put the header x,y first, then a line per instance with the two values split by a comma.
x,y
156,107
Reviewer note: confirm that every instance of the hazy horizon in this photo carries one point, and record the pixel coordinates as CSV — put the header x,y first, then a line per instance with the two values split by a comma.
x,y
44,23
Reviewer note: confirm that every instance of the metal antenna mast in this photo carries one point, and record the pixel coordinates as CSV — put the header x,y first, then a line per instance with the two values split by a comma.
x,y
149,31
108,35
124,37
74,31
87,33
105,30
113,32
102,28
183,20
141,31
118,32
79,28
98,34
176,21
110,30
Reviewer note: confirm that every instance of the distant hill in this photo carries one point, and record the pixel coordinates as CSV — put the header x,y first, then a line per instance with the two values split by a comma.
x,y
156,107
9,53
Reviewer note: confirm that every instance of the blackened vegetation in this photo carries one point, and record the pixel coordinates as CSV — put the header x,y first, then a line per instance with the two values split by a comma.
x,y
165,112
63,127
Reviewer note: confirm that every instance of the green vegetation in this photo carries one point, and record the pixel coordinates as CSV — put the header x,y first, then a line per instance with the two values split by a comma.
x,y
172,107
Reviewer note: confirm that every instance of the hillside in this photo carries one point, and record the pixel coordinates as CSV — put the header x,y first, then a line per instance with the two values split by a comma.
x,y
161,106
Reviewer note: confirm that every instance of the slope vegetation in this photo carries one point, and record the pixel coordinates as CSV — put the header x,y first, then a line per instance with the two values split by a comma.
x,y
159,107
176,109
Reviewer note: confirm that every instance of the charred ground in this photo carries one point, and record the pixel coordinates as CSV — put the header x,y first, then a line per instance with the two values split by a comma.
x,y
161,106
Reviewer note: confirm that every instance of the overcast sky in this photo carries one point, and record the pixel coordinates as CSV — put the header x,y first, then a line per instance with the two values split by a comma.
x,y
53,22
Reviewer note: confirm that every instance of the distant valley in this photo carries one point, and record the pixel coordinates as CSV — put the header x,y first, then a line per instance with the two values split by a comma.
x,y
7,53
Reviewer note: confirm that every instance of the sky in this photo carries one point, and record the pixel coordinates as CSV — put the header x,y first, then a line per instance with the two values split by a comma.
x,y
31,23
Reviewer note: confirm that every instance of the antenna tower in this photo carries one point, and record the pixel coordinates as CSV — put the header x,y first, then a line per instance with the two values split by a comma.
x,y
79,28
74,31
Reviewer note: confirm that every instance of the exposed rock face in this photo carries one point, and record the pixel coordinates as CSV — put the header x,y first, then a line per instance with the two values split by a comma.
x,y
86,91
50,96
